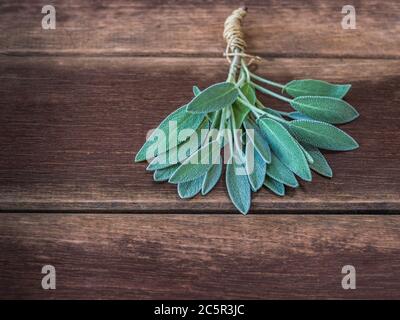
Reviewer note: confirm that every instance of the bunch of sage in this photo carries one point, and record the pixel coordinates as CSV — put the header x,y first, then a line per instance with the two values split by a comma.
x,y
262,146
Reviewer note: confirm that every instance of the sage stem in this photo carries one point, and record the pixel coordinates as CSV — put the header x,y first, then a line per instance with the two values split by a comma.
x,y
271,93
234,67
272,83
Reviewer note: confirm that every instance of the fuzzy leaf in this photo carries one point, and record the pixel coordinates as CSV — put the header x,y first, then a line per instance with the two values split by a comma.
x,y
255,166
286,148
211,178
309,87
310,160
327,109
196,90
296,115
240,111
320,164
214,98
190,188
203,161
322,135
238,187
183,119
180,152
259,140
273,112
276,187
165,174
279,172
249,92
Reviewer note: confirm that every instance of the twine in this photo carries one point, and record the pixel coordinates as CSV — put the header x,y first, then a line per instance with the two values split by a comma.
x,y
234,36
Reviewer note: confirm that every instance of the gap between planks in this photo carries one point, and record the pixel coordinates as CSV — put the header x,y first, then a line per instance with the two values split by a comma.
x,y
88,54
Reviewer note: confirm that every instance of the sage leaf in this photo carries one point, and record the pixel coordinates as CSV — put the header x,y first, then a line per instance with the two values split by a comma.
x,y
259,140
279,172
169,139
165,174
310,159
327,109
240,111
190,188
274,113
196,90
296,115
238,187
322,135
198,163
320,164
275,186
211,178
286,148
214,98
182,151
249,92
255,166
309,87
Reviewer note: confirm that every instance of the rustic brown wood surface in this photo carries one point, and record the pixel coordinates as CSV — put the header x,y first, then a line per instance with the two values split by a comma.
x,y
70,135
76,103
181,27
205,256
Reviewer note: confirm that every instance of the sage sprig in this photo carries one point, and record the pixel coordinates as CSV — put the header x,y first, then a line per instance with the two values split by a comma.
x,y
261,146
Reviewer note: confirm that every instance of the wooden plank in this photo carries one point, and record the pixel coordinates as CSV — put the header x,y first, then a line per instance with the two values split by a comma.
x,y
70,134
203,257
274,28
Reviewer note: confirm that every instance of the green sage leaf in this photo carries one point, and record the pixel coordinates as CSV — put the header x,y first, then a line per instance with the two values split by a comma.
x,y
189,189
279,172
327,109
286,148
255,166
182,119
309,87
249,92
211,178
165,174
198,163
196,90
320,164
310,159
259,140
240,111
296,115
275,186
274,112
214,98
322,135
238,187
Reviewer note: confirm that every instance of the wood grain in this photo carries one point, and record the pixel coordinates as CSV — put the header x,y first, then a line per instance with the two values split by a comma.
x,y
75,106
158,28
199,257
70,134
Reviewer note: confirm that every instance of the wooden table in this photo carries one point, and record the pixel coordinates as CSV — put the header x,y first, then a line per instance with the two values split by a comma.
x,y
77,101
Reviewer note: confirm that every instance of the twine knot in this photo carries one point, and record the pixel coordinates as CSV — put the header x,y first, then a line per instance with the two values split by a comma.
x,y
234,36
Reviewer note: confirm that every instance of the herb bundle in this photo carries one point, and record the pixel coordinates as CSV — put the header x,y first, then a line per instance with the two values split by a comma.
x,y
262,146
